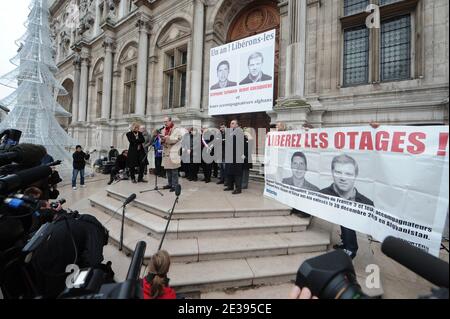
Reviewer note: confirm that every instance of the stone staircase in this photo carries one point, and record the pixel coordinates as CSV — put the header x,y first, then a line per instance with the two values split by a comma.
x,y
216,240
257,172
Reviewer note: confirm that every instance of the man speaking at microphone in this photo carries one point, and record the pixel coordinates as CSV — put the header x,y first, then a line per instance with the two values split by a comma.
x,y
171,156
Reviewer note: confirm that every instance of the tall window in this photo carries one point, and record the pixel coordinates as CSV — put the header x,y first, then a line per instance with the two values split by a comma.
x,y
377,55
396,48
175,78
99,97
355,6
356,56
129,104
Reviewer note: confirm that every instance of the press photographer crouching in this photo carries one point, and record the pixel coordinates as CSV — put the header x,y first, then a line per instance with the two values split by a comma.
x,y
39,239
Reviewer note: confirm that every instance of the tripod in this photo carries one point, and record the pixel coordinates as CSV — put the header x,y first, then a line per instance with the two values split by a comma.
x,y
156,188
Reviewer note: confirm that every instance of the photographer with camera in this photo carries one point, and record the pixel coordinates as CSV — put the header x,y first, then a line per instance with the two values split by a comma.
x,y
71,239
79,163
120,165
332,275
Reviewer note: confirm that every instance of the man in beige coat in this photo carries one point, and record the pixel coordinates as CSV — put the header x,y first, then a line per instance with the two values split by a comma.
x,y
171,160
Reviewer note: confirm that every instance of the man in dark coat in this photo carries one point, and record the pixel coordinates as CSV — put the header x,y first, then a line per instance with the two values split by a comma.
x,y
207,151
234,157
345,170
136,153
120,164
248,161
221,161
79,163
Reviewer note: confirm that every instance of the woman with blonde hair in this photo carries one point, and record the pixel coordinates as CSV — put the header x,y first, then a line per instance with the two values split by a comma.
x,y
136,153
156,284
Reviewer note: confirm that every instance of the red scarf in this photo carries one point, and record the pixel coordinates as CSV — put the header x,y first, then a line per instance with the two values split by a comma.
x,y
168,130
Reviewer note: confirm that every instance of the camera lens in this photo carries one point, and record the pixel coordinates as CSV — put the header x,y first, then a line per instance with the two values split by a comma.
x,y
343,286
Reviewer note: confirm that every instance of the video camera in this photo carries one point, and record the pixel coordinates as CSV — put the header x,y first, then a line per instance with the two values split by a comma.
x,y
9,138
332,275
36,236
89,284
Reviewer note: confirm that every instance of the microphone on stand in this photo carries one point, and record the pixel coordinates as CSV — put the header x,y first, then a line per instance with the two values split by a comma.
x,y
130,198
177,193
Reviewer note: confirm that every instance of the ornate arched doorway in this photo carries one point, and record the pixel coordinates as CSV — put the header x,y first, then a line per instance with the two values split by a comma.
x,y
257,17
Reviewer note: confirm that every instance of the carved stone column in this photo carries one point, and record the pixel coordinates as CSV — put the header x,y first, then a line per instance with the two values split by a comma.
x,y
296,50
141,80
109,46
76,88
197,54
84,78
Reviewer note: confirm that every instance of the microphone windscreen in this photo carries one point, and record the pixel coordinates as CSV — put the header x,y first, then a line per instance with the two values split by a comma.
x,y
35,174
130,198
425,265
30,154
178,190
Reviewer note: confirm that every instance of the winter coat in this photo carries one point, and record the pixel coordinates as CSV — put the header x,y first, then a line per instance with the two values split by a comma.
x,y
79,159
136,153
171,151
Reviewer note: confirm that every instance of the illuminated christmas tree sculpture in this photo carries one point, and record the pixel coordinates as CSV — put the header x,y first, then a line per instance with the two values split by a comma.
x,y
33,105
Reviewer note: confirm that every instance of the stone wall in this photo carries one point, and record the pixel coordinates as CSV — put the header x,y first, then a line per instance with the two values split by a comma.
x,y
310,70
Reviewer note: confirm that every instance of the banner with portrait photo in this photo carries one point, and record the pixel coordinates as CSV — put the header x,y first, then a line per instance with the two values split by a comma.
x,y
390,181
241,75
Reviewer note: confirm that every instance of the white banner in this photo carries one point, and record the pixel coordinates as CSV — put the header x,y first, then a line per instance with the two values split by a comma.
x,y
241,75
390,181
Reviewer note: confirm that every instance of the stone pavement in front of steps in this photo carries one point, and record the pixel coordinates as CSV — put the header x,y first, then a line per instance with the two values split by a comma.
x,y
397,281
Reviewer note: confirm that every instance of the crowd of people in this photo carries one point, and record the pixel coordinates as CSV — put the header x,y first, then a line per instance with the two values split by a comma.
x,y
173,152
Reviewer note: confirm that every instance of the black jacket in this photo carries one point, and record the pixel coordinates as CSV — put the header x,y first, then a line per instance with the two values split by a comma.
x,y
85,234
79,159
121,162
113,153
234,152
136,153
359,198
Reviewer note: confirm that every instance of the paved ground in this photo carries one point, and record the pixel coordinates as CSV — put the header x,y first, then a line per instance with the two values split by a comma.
x,y
397,281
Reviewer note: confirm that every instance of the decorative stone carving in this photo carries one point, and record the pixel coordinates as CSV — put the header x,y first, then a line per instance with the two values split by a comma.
x,y
129,54
109,44
77,61
143,24
174,33
99,68
254,20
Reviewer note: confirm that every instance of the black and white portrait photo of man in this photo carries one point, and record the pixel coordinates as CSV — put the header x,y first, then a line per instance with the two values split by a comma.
x,y
223,71
255,73
345,170
299,167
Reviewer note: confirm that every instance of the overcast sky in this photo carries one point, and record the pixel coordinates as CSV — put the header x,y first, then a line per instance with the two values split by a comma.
x,y
13,14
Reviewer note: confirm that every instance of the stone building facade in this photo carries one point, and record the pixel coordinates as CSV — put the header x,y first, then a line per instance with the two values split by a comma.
x,y
128,60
